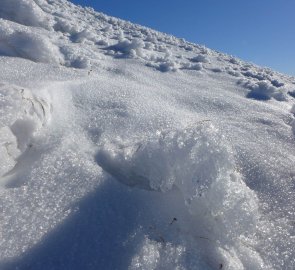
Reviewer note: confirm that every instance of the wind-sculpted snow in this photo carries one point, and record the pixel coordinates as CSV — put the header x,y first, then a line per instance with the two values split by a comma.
x,y
21,41
264,90
192,157
125,148
23,115
25,12
198,163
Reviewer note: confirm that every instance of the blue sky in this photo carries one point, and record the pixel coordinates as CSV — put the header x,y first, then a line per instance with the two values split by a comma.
x,y
260,31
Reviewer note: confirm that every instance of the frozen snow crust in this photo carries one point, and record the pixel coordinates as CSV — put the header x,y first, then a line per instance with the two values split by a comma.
x,y
125,148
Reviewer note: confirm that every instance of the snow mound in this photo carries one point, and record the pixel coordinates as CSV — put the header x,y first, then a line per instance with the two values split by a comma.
x,y
200,59
263,90
18,41
24,114
128,48
192,66
25,12
65,26
163,160
198,163
166,65
82,36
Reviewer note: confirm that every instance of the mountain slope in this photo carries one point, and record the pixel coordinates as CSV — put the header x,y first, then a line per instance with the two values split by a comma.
x,y
125,148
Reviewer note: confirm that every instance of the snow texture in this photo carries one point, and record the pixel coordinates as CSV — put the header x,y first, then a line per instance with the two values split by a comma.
x,y
125,148
25,12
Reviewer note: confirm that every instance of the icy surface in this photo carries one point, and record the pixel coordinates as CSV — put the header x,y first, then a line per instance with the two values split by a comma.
x,y
125,148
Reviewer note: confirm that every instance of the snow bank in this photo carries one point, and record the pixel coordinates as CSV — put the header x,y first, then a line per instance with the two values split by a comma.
x,y
22,42
25,12
34,47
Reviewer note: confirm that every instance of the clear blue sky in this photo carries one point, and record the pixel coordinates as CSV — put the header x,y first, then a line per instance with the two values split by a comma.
x,y
260,31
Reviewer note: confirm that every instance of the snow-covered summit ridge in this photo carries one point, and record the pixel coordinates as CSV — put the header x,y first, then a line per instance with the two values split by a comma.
x,y
125,148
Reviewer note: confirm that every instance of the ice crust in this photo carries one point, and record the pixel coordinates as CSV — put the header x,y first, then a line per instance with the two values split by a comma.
x,y
125,148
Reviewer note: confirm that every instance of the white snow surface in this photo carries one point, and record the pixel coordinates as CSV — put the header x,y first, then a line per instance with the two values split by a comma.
x,y
125,148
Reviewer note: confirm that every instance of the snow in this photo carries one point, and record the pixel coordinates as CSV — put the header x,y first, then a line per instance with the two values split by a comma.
x,y
264,90
125,148
25,12
128,48
21,41
200,58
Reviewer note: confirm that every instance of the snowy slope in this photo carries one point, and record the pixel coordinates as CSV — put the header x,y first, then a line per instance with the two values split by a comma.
x,y
125,148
